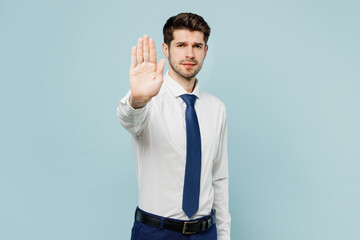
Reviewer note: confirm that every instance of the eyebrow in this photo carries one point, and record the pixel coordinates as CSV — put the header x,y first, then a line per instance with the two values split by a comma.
x,y
187,42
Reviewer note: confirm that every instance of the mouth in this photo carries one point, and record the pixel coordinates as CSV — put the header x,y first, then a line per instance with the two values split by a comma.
x,y
189,65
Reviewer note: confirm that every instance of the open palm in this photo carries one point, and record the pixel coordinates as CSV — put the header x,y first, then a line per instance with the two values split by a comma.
x,y
146,77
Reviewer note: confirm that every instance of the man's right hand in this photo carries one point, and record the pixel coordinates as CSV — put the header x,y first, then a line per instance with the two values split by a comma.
x,y
146,77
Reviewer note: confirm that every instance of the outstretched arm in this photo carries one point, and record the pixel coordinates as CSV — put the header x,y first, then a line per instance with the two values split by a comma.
x,y
146,78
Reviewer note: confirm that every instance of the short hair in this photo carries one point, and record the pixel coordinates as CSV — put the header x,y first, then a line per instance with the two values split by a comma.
x,y
188,21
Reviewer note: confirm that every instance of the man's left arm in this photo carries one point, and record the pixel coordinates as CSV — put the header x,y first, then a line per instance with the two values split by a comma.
x,y
221,185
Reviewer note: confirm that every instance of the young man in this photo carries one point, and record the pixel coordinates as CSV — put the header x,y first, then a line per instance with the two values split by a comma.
x,y
179,138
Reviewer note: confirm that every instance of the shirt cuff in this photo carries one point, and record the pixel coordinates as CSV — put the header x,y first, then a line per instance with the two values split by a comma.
x,y
128,109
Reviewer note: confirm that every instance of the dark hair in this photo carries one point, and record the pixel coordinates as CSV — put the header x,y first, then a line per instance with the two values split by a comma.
x,y
189,21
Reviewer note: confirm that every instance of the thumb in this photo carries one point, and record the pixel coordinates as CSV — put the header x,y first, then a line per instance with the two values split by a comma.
x,y
160,67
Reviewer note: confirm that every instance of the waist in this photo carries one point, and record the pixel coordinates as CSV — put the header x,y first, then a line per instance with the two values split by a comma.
x,y
183,226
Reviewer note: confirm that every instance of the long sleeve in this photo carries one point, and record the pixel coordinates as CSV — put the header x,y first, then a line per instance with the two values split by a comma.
x,y
220,186
133,120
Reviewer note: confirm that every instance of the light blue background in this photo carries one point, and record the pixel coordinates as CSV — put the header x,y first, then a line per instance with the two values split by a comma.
x,y
288,72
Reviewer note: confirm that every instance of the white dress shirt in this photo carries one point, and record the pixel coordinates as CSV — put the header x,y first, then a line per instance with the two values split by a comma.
x,y
159,144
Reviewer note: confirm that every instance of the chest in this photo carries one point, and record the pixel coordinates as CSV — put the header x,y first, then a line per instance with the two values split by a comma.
x,y
167,126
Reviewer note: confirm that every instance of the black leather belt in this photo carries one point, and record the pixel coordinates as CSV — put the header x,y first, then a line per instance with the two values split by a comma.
x,y
185,227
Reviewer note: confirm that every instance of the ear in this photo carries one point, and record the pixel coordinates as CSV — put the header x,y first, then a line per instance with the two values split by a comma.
x,y
206,49
165,49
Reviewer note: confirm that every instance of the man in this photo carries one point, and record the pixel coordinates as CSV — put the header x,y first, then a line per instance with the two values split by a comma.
x,y
179,138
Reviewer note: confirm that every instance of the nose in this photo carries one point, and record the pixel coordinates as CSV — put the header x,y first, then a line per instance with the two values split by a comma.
x,y
189,52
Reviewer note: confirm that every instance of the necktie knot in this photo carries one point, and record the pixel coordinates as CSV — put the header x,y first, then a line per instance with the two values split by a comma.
x,y
189,99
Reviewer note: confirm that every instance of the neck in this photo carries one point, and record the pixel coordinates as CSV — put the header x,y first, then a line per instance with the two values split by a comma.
x,y
187,84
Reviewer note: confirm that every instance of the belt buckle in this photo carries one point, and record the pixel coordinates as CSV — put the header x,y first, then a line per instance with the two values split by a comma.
x,y
184,228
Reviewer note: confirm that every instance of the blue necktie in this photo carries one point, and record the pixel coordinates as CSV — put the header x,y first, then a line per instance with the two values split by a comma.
x,y
191,191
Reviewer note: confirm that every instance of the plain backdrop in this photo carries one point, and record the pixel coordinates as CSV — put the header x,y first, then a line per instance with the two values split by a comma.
x,y
287,70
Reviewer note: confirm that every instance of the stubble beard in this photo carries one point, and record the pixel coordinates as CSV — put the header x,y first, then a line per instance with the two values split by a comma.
x,y
186,75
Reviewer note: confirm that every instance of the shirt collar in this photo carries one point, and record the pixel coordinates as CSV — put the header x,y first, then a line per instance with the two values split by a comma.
x,y
177,90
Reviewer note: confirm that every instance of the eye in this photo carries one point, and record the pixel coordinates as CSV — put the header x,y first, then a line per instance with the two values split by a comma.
x,y
180,45
198,46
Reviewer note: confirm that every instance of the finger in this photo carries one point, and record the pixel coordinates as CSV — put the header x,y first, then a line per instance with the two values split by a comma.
x,y
133,57
160,67
140,57
146,48
152,51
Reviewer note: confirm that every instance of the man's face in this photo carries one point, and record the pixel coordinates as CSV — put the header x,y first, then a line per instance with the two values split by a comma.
x,y
186,53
